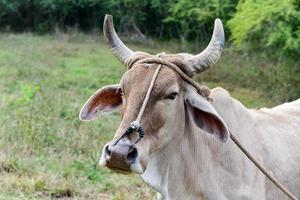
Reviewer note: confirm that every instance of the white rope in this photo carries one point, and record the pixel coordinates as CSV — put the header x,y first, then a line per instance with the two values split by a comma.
x,y
148,94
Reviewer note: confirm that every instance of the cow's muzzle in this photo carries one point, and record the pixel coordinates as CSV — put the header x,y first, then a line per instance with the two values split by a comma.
x,y
121,156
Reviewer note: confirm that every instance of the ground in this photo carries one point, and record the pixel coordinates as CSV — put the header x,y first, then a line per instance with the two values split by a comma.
x,y
45,151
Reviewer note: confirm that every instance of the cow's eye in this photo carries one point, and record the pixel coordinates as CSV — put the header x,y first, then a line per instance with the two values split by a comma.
x,y
172,95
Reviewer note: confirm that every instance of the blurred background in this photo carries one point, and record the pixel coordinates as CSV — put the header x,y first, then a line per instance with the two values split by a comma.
x,y
53,57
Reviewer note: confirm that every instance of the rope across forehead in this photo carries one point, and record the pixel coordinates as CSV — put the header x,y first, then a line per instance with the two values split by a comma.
x,y
135,125
159,59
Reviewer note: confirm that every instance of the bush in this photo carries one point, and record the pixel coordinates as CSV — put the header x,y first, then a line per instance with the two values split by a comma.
x,y
164,19
270,25
194,18
43,16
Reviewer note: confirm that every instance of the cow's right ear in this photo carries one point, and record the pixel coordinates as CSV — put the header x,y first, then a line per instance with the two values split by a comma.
x,y
205,116
106,99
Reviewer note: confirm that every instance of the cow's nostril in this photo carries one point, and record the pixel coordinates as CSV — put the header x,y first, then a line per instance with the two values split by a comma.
x,y
107,151
132,154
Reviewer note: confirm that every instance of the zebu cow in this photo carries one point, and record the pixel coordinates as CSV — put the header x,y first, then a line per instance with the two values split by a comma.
x,y
185,153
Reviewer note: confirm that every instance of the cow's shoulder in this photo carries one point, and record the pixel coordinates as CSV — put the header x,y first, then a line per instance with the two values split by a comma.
x,y
227,106
220,97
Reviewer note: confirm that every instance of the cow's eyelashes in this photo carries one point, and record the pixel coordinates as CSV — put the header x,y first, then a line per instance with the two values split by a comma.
x,y
172,96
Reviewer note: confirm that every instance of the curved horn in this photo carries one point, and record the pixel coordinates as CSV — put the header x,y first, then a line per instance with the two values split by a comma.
x,y
209,56
119,49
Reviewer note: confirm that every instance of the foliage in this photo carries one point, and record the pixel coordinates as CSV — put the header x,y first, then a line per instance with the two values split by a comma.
x,y
267,25
158,18
146,15
130,15
196,18
44,15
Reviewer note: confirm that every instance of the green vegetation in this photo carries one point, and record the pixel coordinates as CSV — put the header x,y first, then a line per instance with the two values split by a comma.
x,y
268,25
45,151
195,18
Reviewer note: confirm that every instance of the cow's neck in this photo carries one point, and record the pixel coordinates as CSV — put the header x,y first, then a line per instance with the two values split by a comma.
x,y
198,166
186,167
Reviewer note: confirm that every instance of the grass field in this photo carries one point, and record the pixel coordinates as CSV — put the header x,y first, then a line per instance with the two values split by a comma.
x,y
45,151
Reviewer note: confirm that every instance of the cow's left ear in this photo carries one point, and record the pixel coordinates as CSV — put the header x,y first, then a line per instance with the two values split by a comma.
x,y
205,115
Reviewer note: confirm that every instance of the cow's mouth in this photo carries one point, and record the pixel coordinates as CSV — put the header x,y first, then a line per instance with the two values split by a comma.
x,y
134,167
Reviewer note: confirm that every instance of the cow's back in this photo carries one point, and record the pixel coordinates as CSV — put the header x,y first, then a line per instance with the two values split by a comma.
x,y
279,128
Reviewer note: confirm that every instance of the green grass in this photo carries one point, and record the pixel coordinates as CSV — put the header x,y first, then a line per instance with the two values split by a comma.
x,y
45,151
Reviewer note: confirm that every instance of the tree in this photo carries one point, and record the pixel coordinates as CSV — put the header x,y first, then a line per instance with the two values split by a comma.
x,y
267,25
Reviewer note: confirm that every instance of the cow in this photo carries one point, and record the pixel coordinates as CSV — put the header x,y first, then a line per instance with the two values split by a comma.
x,y
186,152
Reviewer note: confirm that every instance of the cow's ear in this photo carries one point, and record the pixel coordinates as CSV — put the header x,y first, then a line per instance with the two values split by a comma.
x,y
106,99
205,115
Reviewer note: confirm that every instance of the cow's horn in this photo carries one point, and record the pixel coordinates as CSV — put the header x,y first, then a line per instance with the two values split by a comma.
x,y
209,56
119,49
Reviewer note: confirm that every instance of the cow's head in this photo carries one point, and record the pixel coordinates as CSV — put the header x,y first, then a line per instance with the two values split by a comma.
x,y
172,105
